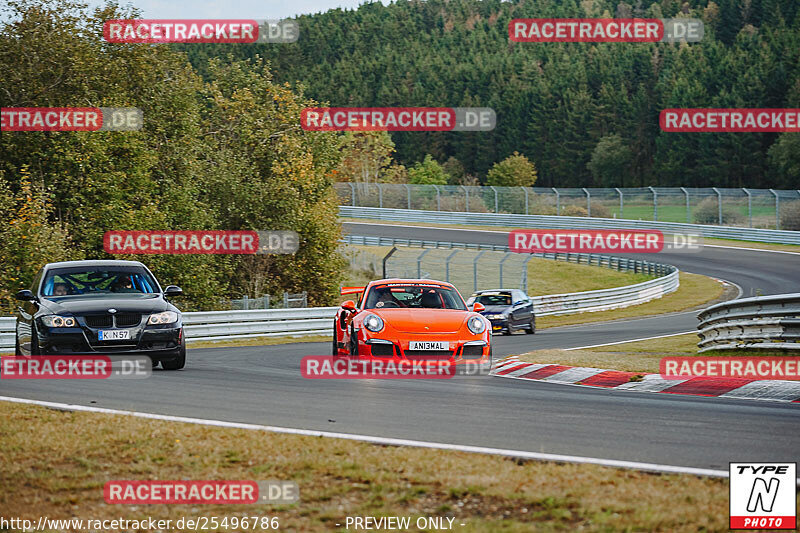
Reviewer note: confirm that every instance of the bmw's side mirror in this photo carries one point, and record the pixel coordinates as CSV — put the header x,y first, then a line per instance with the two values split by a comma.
x,y
349,305
173,290
478,307
26,296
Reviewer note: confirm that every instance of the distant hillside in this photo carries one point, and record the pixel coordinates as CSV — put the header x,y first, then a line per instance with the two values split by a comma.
x,y
556,102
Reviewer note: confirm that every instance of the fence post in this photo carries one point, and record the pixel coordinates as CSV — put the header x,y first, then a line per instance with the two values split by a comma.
x,y
419,262
386,258
352,193
503,260
475,270
655,203
621,202
588,202
285,300
495,198
688,208
777,209
408,194
447,265
438,198
266,301
749,206
245,303
558,201
466,198
525,273
305,298
525,190
719,204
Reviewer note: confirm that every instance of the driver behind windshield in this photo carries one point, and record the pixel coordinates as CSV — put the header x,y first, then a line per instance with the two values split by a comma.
x,y
385,298
60,289
123,284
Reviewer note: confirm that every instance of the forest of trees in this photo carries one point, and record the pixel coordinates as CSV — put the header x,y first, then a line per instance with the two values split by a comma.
x,y
585,114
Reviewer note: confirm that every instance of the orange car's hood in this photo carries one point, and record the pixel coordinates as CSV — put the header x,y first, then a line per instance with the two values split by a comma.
x,y
423,320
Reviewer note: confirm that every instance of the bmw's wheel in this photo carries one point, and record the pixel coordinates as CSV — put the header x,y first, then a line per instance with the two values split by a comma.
x,y
177,363
34,342
532,326
508,330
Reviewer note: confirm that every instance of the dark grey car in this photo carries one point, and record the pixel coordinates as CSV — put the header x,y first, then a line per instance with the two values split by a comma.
x,y
507,309
100,307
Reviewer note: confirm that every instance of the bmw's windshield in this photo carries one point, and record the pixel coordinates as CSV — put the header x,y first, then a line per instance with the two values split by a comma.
x,y
503,298
98,281
414,296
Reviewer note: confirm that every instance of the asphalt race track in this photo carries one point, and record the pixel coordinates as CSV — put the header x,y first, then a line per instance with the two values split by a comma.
x,y
262,385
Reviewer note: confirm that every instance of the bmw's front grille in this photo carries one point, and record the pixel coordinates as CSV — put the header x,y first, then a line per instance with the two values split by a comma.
x,y
121,320
99,321
126,320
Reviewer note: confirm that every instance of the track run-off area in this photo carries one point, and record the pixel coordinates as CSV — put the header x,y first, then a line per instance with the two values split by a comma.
x,y
262,385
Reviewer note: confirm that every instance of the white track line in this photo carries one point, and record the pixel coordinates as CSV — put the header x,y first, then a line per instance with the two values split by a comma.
x,y
632,340
649,467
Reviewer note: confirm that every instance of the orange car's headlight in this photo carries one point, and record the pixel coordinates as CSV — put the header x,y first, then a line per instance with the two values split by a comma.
x,y
476,325
374,323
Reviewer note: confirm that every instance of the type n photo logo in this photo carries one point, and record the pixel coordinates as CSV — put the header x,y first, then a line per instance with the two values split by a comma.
x,y
763,495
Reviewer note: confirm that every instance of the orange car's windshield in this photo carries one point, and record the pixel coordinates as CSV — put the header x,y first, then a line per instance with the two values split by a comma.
x,y
414,296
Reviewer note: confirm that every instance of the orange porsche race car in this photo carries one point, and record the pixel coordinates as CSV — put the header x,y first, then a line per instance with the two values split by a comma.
x,y
411,319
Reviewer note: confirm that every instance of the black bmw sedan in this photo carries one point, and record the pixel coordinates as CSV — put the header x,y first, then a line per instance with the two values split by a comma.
x,y
100,307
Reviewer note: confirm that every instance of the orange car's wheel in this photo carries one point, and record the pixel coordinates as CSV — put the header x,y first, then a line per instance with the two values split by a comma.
x,y
353,343
335,340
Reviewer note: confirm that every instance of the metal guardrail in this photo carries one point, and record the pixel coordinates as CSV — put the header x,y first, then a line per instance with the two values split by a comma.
x,y
557,222
227,325
764,322
762,208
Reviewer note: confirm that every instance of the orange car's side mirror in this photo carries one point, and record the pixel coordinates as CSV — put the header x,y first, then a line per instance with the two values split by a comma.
x,y
349,305
478,307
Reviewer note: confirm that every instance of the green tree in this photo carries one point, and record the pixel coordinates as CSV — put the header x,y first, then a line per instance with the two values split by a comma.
x,y
427,172
515,170
611,160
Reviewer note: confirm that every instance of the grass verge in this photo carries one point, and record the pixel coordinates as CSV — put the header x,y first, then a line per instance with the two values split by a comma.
x,y
337,478
694,292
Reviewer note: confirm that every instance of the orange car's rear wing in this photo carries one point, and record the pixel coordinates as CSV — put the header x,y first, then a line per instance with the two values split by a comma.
x,y
351,290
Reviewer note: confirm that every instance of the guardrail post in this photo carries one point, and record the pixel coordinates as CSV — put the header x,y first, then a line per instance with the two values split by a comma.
x,y
558,201
749,206
503,260
588,202
475,270
525,190
688,210
495,198
621,201
419,262
246,302
285,300
266,301
777,209
438,198
408,194
466,198
447,265
352,193
655,203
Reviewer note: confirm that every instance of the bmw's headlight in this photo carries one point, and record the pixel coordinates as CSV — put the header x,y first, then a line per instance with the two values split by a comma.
x,y
476,325
167,317
495,317
55,321
374,323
